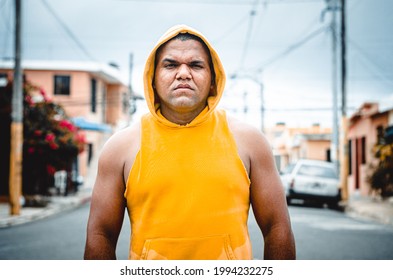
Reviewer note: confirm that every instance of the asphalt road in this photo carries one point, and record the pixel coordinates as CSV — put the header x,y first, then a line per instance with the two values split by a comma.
x,y
320,234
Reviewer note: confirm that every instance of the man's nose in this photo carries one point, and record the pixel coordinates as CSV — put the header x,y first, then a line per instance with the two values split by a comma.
x,y
183,72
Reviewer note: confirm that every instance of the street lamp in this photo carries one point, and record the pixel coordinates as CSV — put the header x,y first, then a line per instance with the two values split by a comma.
x,y
261,89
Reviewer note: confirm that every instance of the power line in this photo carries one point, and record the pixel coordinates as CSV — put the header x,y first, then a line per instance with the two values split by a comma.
x,y
371,61
292,47
68,31
230,2
248,34
231,29
304,109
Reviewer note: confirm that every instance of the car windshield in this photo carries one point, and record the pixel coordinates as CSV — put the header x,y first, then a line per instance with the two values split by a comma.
x,y
317,171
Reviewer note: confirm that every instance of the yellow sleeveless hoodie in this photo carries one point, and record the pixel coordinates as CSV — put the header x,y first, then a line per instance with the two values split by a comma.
x,y
188,191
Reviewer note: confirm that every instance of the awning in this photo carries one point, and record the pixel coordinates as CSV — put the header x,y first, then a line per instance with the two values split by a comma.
x,y
84,124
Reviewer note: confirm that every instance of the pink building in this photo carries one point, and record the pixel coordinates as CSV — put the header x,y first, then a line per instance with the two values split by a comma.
x,y
365,127
92,93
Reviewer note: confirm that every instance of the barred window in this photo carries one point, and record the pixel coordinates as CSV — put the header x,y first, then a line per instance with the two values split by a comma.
x,y
62,85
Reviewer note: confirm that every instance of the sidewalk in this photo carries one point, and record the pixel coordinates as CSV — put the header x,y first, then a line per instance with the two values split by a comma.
x,y
377,210
57,204
369,208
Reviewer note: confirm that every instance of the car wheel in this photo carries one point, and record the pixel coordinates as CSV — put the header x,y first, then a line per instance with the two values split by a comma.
x,y
333,204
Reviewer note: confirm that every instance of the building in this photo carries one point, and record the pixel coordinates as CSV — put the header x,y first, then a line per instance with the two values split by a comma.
x,y
290,144
94,95
366,126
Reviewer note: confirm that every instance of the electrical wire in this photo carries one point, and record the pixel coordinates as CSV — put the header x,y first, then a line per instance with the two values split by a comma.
x,y
68,31
231,29
292,48
229,2
248,34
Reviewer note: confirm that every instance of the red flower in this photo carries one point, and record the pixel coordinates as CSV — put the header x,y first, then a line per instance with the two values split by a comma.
x,y
50,169
53,146
68,125
37,132
50,137
29,100
31,150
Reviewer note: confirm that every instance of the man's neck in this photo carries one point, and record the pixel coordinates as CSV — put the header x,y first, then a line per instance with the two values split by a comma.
x,y
181,118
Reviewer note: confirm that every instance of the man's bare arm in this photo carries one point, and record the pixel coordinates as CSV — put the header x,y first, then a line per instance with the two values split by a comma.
x,y
268,201
108,203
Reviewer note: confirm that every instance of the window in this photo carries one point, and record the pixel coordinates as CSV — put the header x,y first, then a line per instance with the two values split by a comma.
x,y
350,157
363,150
93,95
125,103
3,80
317,171
380,135
62,85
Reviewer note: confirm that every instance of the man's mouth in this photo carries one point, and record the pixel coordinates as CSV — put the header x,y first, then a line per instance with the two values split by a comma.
x,y
183,86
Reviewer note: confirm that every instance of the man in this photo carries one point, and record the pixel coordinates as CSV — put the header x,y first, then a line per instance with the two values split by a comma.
x,y
186,172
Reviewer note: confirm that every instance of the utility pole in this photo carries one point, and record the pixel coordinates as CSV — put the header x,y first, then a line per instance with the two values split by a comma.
x,y
344,121
15,181
332,6
334,146
131,96
261,92
261,88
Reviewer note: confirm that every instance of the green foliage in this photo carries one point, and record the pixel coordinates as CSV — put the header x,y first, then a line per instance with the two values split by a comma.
x,y
381,178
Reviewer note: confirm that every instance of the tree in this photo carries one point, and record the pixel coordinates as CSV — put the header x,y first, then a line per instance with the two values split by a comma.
x,y
381,178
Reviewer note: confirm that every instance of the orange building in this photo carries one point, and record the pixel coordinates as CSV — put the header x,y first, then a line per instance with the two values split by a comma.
x,y
290,144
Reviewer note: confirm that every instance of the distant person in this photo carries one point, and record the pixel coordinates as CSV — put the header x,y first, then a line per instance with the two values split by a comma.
x,y
187,173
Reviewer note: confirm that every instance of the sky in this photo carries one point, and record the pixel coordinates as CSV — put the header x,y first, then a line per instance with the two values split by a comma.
x,y
276,50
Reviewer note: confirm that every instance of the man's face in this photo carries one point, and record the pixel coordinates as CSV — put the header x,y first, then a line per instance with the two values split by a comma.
x,y
182,77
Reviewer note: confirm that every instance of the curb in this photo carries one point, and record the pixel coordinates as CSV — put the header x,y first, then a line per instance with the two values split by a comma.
x,y
55,206
371,211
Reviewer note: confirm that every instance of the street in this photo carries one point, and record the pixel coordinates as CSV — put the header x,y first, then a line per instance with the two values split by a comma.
x,y
320,233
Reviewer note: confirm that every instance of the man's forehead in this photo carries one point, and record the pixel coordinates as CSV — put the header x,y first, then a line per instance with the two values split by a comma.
x,y
180,48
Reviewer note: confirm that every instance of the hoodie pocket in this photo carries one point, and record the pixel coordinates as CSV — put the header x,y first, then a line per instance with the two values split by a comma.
x,y
215,247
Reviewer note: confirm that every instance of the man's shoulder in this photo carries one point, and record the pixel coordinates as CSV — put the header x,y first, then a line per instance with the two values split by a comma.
x,y
124,138
241,127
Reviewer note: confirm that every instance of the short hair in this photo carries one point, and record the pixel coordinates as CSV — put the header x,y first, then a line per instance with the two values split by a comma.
x,y
185,37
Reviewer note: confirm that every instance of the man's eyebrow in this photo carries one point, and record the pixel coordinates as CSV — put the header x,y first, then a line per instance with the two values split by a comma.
x,y
197,62
168,60
193,62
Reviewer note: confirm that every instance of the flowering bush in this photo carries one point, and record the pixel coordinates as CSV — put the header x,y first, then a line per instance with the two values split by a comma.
x,y
48,132
50,140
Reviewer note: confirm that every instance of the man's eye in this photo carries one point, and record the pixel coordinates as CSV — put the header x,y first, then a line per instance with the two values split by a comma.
x,y
171,65
196,66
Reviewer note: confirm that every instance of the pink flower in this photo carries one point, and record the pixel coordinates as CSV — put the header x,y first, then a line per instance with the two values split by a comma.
x,y
29,100
50,137
31,150
68,125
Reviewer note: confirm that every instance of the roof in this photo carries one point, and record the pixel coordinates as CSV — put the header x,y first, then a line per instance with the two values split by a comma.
x,y
108,73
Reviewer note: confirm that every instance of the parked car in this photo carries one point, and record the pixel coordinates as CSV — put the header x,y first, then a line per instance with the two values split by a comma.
x,y
312,180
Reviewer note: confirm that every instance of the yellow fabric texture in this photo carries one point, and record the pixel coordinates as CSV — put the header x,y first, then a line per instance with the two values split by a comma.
x,y
188,191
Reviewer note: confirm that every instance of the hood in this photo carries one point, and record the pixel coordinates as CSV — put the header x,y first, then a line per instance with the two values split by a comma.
x,y
148,76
